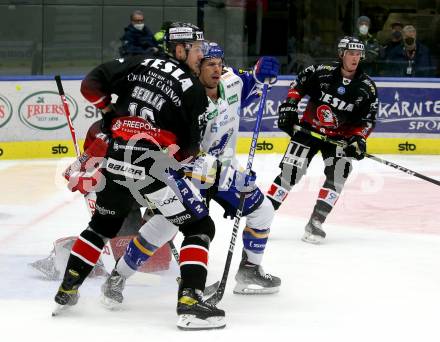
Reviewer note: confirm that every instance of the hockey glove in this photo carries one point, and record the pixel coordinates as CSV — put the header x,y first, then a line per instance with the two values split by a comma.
x,y
83,174
357,146
239,180
204,169
266,67
287,116
244,182
234,184
107,118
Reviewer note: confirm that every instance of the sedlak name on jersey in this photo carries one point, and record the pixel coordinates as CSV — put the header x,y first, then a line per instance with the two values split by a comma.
x,y
336,102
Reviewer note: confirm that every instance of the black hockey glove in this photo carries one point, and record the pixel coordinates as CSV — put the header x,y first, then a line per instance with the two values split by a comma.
x,y
357,146
106,123
287,116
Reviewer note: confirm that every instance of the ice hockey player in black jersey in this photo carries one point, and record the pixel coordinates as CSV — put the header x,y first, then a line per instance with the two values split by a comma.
x,y
160,106
342,105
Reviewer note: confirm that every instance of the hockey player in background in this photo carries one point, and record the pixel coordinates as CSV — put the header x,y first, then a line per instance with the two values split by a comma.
x,y
227,94
342,105
162,104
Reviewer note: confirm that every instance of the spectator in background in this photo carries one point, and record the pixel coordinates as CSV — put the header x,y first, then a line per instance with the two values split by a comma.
x,y
137,38
410,58
372,47
395,38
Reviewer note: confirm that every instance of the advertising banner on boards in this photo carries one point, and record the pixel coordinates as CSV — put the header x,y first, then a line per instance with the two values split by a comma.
x,y
33,123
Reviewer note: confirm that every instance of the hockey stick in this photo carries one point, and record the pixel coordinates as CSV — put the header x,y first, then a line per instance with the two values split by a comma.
x,y
218,295
67,112
343,144
90,198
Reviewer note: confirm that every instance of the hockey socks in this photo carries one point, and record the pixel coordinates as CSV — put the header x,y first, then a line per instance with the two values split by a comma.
x,y
194,261
83,257
137,253
327,199
254,243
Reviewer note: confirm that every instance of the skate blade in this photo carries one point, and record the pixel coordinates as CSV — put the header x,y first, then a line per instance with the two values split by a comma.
x,y
211,289
313,239
191,322
59,309
110,304
252,289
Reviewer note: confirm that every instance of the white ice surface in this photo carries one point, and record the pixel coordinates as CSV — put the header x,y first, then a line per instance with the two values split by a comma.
x,y
376,278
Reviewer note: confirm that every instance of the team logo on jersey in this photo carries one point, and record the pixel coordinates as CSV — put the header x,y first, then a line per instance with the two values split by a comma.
x,y
341,90
5,110
326,117
219,145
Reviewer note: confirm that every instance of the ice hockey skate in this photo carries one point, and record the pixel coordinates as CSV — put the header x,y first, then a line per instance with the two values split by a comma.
x,y
313,232
251,279
195,314
67,294
111,291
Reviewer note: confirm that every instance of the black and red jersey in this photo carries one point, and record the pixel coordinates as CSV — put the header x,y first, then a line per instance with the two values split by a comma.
x,y
337,107
159,89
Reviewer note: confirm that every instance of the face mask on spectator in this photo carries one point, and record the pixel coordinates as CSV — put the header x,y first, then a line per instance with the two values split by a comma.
x,y
410,42
363,29
139,27
396,35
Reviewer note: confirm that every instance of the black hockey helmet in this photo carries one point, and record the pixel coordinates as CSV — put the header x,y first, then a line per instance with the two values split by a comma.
x,y
350,43
181,33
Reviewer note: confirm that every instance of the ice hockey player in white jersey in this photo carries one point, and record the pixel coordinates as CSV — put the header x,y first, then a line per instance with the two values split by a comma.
x,y
228,92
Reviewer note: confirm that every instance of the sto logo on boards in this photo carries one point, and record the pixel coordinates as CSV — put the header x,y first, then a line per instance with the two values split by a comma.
x,y
264,146
60,149
406,146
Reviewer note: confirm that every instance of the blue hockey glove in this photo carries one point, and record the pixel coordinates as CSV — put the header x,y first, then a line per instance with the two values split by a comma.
x,y
232,185
241,182
244,182
357,146
266,67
